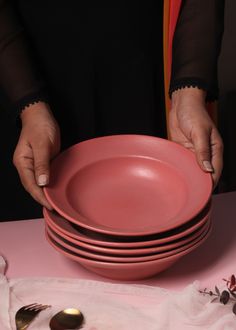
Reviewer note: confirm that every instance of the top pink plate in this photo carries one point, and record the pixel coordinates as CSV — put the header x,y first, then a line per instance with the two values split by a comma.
x,y
128,185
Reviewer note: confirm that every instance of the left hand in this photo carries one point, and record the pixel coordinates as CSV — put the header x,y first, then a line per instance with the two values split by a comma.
x,y
191,126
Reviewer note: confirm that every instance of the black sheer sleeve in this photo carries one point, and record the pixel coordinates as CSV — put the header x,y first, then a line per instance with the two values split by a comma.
x,y
19,81
196,46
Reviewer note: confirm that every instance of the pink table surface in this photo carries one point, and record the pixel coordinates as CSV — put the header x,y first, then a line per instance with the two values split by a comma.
x,y
23,245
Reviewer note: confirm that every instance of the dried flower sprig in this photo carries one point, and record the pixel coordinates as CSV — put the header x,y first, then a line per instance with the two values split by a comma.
x,y
226,295
231,283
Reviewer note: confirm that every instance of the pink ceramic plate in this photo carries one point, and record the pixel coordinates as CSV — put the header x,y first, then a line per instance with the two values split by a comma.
x,y
149,255
128,185
131,251
67,229
126,271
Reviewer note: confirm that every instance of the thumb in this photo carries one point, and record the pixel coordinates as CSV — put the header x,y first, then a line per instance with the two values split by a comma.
x,y
202,148
41,164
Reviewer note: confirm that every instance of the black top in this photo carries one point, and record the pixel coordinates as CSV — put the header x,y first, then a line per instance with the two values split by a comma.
x,y
99,63
196,45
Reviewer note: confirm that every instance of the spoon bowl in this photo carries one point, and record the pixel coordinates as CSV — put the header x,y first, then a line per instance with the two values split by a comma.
x,y
69,318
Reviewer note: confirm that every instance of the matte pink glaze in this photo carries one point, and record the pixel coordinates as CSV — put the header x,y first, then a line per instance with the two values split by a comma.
x,y
67,229
130,185
126,271
128,256
130,251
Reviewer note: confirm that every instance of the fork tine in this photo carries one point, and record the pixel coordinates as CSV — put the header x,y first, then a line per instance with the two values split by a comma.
x,y
35,307
41,307
29,306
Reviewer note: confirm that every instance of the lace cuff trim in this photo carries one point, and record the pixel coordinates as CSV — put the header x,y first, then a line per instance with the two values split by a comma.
x,y
212,91
30,99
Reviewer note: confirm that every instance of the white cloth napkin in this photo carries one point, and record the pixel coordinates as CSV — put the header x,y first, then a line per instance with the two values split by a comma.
x,y
113,306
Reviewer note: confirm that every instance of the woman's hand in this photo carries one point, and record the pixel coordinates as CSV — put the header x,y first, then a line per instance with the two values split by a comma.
x,y
38,143
191,126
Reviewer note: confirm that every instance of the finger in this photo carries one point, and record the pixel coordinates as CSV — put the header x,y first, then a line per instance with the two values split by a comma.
x,y
28,181
42,157
25,170
202,147
217,156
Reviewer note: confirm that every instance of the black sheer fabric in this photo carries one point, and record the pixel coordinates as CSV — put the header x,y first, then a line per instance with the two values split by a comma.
x,y
102,62
196,46
19,80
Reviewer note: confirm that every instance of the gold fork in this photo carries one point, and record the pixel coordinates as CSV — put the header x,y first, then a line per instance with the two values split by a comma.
x,y
26,315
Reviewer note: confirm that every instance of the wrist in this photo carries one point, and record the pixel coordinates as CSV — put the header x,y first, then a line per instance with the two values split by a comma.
x,y
188,95
33,110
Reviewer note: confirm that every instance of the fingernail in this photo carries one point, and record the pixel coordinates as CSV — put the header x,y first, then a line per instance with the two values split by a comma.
x,y
42,180
49,207
207,165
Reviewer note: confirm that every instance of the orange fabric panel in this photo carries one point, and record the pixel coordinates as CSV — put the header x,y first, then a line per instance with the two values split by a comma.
x,y
166,19
171,13
174,14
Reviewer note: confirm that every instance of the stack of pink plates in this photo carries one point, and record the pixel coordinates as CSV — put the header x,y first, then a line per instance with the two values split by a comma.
x,y
127,206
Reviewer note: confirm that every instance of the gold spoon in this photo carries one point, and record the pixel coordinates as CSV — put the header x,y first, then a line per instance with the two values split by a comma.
x,y
70,318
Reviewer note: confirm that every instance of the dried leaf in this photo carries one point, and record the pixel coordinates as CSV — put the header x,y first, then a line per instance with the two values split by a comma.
x,y
232,280
217,290
234,308
224,297
233,288
232,293
215,299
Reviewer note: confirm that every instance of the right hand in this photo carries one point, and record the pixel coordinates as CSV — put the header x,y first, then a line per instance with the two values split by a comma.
x,y
191,126
38,143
